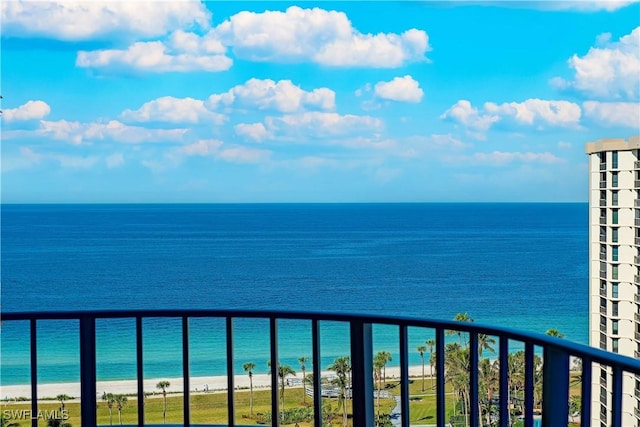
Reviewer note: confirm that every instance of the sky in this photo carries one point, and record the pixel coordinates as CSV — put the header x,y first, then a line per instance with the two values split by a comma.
x,y
225,102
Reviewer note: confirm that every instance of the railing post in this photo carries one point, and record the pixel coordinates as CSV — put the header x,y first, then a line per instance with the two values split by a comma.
x,y
140,371
587,371
555,387
317,373
231,404
504,381
34,371
474,410
88,371
529,384
440,379
404,376
275,370
186,395
362,377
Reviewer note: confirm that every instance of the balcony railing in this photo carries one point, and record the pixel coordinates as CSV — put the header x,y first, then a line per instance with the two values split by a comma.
x,y
556,354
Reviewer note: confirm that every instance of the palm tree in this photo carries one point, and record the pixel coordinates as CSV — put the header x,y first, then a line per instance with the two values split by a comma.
x,y
163,385
342,367
460,317
109,398
485,342
431,343
248,368
421,350
4,422
553,332
121,400
379,360
489,380
386,356
303,368
57,422
62,398
283,372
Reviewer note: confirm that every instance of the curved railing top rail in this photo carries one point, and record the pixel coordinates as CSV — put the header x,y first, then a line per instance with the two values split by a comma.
x,y
576,349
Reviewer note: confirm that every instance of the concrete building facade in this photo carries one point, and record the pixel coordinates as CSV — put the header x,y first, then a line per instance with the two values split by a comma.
x,y
614,268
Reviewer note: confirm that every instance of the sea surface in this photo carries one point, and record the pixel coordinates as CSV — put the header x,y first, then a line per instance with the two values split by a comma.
x,y
517,265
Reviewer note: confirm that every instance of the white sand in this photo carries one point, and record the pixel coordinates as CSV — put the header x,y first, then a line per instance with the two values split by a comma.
x,y
215,383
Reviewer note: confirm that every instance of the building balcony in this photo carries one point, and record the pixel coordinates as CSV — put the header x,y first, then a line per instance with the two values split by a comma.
x,y
603,166
636,259
636,298
554,367
603,202
636,317
637,222
603,274
636,165
636,203
603,220
603,184
603,310
637,241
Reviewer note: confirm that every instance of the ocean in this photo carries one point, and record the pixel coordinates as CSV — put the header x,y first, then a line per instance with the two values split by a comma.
x,y
518,265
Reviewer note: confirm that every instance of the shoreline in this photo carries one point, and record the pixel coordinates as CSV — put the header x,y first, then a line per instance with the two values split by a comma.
x,y
215,383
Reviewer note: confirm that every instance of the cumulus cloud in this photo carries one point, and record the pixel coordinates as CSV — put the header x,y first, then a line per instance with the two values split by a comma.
x,y
584,6
154,56
255,131
613,113
320,124
609,71
501,158
320,36
240,154
174,110
532,111
282,96
90,20
31,110
115,160
403,89
79,133
464,113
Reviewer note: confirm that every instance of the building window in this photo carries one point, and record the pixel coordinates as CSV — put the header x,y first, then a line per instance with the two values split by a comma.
x,y
614,327
614,309
614,253
614,272
614,159
614,235
614,290
614,216
614,179
614,345
614,198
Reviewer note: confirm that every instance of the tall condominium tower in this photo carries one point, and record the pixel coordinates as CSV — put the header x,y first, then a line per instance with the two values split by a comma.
x,y
614,268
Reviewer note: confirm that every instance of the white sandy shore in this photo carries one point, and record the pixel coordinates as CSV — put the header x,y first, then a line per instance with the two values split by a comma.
x,y
197,384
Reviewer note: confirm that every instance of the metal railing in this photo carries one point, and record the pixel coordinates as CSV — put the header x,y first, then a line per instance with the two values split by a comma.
x,y
556,355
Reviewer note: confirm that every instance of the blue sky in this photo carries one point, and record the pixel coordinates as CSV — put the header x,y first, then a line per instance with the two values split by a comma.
x,y
183,101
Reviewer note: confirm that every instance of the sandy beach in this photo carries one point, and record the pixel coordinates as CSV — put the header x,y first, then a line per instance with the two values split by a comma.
x,y
197,384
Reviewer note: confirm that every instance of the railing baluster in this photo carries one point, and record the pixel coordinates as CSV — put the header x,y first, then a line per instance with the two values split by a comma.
x,y
440,379
529,384
275,370
587,371
474,411
555,387
186,396
362,369
404,376
88,371
616,398
231,401
504,382
140,371
34,371
317,373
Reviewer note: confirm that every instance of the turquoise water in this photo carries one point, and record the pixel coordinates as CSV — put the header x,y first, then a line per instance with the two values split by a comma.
x,y
518,265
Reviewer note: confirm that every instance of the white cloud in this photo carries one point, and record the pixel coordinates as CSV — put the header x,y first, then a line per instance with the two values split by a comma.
x,y
255,131
173,110
501,158
115,160
90,20
532,111
282,96
203,147
31,110
79,133
240,154
610,71
318,35
404,89
613,113
584,6
154,56
464,113
319,124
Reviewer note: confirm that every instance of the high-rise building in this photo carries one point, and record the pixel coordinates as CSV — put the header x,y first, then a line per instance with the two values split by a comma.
x,y
614,268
